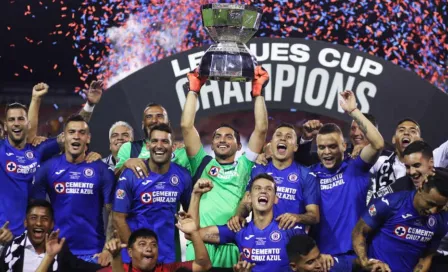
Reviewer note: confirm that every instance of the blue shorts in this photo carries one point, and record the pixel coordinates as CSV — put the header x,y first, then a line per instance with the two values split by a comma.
x,y
88,258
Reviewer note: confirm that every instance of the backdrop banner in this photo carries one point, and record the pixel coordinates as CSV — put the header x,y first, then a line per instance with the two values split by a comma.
x,y
305,75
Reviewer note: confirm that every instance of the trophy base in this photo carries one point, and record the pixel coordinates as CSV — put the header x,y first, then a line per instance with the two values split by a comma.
x,y
228,62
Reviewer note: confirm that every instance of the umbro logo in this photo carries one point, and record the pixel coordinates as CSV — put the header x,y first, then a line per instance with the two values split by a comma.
x,y
249,237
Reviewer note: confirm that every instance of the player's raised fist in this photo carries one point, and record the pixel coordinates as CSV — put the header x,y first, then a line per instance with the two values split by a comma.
x,y
40,90
202,186
310,129
195,81
261,79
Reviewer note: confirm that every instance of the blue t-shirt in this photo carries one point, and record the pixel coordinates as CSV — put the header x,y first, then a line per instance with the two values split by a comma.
x,y
401,234
266,248
343,198
78,193
17,169
296,187
152,203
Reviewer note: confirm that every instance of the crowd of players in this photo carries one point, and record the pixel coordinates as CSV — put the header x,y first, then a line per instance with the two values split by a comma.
x,y
342,209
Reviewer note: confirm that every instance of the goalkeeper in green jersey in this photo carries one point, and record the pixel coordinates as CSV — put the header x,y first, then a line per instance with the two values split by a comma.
x,y
229,177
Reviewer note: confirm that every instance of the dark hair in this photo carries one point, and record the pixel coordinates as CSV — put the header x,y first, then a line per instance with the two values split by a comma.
x,y
263,176
161,127
288,125
299,245
439,181
235,132
15,105
40,203
141,233
419,147
74,118
371,118
330,128
407,120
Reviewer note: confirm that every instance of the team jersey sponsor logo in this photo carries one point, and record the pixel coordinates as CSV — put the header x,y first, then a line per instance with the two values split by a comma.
x,y
330,183
146,182
88,172
11,166
74,188
159,197
9,154
246,252
122,179
406,215
372,210
29,155
414,234
214,171
264,254
120,194
275,236
286,193
59,187
59,172
293,177
146,198
174,180
249,237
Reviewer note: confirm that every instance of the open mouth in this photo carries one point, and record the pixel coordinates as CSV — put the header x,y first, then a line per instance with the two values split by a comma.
x,y
76,145
405,141
358,139
38,232
16,131
223,146
148,257
263,200
328,159
159,152
281,148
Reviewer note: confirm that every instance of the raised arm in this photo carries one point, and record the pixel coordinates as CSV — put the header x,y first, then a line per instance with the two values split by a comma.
x,y
190,134
93,97
371,152
258,137
202,186
39,90
187,225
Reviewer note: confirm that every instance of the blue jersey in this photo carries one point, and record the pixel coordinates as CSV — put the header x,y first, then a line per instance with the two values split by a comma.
x,y
17,169
266,248
296,187
343,198
401,234
78,193
152,203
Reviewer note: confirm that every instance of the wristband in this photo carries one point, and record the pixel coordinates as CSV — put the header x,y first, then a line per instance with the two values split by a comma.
x,y
88,108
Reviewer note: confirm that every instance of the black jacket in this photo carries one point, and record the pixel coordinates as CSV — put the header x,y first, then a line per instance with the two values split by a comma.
x,y
12,261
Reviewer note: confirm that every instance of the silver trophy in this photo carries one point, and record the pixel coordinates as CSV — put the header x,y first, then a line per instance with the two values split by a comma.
x,y
230,26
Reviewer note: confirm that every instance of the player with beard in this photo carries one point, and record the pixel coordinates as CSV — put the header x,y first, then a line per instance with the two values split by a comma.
x,y
18,164
403,227
38,250
151,202
230,177
343,181
297,189
78,191
262,242
132,155
390,168
119,134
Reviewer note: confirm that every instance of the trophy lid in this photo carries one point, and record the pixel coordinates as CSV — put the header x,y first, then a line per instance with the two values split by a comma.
x,y
226,22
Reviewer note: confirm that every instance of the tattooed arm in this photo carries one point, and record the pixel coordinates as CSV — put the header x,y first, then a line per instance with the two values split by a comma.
x,y
371,152
424,263
359,234
210,234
